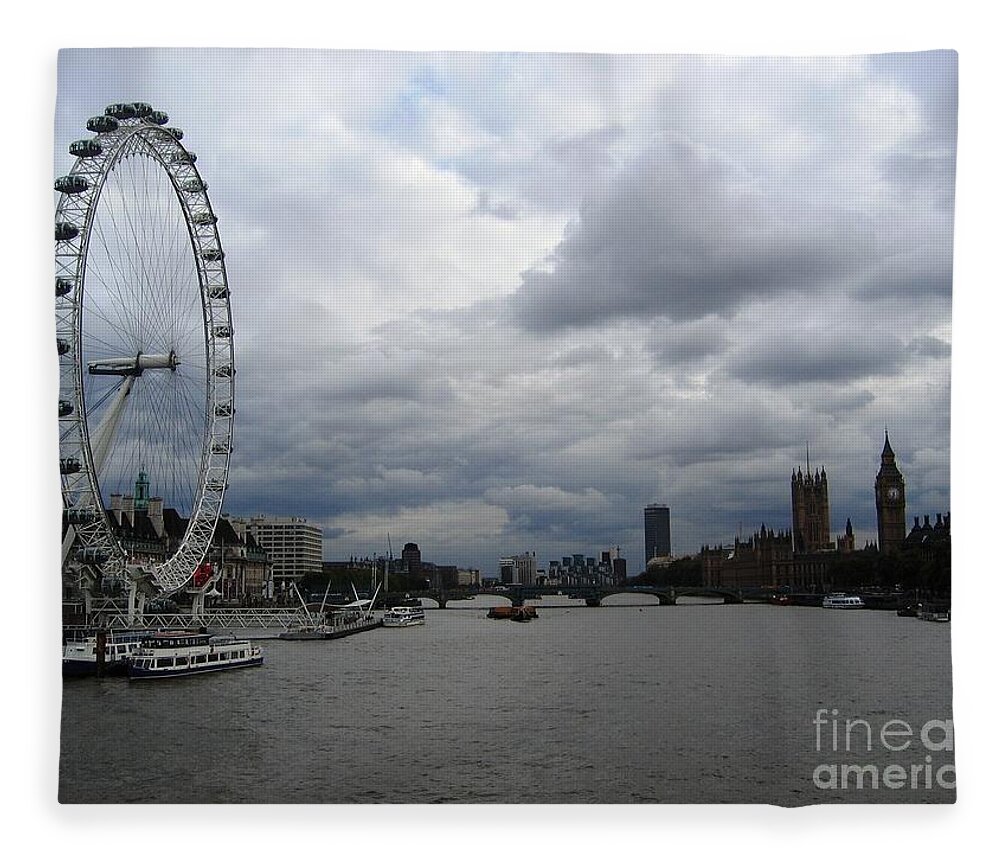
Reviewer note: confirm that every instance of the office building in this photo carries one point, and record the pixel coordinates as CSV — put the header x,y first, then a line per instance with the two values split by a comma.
x,y
657,520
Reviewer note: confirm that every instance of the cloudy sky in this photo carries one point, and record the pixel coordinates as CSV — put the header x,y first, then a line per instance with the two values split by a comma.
x,y
499,302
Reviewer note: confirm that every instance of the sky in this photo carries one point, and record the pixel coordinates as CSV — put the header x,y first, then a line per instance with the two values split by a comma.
x,y
493,303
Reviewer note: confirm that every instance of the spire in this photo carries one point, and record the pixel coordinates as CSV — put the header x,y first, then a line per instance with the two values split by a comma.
x,y
141,490
850,529
807,458
888,455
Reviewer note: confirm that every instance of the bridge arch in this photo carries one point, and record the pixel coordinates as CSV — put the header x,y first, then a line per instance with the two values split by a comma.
x,y
663,596
462,601
727,595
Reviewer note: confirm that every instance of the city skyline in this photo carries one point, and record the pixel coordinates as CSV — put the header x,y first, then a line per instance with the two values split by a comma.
x,y
490,323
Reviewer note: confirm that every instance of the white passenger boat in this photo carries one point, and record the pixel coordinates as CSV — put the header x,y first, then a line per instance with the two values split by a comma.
x,y
82,656
403,616
169,654
843,601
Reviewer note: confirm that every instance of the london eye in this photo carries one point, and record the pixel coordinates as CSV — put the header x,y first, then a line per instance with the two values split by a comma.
x,y
144,335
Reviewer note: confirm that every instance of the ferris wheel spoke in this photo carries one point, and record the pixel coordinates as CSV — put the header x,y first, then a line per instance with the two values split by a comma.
x,y
122,258
113,284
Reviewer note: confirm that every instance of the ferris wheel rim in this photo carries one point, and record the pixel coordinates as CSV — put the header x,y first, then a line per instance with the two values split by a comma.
x,y
81,193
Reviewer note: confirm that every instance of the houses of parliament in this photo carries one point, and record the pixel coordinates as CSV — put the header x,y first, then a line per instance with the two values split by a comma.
x,y
800,558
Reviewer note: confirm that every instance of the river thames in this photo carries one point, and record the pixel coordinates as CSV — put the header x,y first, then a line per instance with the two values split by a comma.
x,y
694,703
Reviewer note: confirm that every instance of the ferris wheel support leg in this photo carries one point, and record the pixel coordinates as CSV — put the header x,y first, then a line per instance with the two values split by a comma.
x,y
67,544
136,603
198,606
104,435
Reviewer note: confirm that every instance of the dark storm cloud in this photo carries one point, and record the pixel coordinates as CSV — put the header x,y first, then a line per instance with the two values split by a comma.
x,y
581,355
552,514
784,357
733,424
934,173
683,233
924,272
929,346
684,344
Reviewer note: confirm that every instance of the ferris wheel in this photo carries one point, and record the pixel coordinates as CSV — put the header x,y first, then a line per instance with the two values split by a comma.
x,y
144,334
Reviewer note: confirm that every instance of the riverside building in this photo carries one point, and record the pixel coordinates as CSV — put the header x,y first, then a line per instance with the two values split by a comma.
x,y
293,545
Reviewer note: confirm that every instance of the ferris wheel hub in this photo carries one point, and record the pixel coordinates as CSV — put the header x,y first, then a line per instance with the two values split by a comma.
x,y
134,365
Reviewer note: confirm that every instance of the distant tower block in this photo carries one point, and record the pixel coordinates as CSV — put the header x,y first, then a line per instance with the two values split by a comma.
x,y
890,501
657,520
411,558
810,511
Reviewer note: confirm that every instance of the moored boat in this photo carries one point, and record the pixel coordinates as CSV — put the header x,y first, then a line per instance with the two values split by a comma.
x,y
335,623
523,613
843,601
173,653
100,653
403,616
513,613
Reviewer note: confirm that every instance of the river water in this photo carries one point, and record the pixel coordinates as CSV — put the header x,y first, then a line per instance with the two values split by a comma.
x,y
694,703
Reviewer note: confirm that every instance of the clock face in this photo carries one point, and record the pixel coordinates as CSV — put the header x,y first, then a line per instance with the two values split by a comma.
x,y
892,494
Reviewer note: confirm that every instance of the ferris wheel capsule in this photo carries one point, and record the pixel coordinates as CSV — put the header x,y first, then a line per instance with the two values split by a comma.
x,y
102,124
158,117
64,286
85,148
92,555
79,516
121,110
72,184
66,231
69,465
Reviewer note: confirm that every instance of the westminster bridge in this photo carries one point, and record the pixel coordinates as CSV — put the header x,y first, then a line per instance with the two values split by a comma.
x,y
591,595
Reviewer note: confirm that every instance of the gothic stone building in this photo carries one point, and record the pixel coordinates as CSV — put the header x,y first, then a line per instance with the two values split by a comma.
x,y
810,511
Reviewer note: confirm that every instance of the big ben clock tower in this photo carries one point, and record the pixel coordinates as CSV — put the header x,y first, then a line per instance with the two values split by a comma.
x,y
890,501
